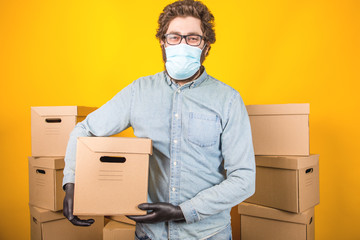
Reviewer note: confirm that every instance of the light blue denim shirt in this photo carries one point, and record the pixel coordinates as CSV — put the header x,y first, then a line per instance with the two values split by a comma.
x,y
203,158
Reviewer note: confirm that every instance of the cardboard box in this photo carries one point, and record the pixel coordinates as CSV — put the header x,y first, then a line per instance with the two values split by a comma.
x,y
45,182
262,223
111,176
51,128
114,230
280,129
46,224
121,218
287,182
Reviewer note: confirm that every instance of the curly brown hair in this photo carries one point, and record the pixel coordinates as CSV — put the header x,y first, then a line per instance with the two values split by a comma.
x,y
184,8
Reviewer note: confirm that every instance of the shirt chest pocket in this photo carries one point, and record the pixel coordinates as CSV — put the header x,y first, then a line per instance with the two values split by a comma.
x,y
203,129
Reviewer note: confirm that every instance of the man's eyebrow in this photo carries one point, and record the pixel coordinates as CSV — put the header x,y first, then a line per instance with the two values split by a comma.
x,y
194,33
190,33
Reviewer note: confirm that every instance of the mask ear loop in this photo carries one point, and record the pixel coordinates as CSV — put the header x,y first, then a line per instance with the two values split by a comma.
x,y
205,45
163,52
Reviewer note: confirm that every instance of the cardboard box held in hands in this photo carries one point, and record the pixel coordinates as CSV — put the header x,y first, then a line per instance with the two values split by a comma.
x,y
111,176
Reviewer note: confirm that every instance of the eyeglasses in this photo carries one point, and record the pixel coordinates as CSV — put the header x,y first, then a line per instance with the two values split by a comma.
x,y
191,39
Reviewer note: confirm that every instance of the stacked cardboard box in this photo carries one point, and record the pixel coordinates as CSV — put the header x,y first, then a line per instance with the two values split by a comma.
x,y
52,225
287,175
119,227
103,165
50,130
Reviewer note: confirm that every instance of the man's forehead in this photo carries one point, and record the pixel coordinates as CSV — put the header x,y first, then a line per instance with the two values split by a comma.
x,y
185,25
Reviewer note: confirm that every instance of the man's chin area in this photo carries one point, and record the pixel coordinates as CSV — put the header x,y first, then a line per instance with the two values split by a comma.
x,y
187,80
182,82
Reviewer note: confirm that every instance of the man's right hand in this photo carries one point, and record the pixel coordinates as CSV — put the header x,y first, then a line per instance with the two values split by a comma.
x,y
69,206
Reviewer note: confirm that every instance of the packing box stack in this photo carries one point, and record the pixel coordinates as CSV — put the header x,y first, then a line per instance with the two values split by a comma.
x,y
103,164
287,175
50,130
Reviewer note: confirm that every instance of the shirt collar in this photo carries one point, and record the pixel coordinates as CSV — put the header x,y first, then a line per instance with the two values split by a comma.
x,y
192,84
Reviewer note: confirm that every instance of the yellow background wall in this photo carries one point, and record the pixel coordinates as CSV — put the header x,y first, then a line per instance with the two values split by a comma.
x,y
55,53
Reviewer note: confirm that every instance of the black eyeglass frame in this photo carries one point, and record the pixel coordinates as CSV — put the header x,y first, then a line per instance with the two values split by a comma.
x,y
185,37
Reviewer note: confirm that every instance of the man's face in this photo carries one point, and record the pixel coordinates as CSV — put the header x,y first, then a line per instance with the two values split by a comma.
x,y
185,26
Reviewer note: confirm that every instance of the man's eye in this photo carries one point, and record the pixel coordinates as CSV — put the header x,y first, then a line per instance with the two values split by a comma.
x,y
174,38
193,38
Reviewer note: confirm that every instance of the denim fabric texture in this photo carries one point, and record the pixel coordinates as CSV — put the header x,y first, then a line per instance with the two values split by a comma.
x,y
225,234
203,158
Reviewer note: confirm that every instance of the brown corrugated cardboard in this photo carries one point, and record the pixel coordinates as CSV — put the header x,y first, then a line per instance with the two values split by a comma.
x,y
46,224
45,182
51,128
287,182
114,230
122,218
111,176
280,129
263,223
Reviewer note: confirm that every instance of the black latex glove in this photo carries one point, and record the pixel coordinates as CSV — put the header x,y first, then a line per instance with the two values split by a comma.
x,y
160,212
69,206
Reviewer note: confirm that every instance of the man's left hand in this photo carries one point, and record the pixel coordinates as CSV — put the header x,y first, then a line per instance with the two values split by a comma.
x,y
160,212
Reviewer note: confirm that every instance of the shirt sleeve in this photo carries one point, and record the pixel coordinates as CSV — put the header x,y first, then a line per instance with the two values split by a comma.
x,y
239,162
111,118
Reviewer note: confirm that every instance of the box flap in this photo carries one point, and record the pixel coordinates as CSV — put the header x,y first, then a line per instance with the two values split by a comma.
x,y
272,213
62,111
287,162
44,215
278,109
47,162
118,144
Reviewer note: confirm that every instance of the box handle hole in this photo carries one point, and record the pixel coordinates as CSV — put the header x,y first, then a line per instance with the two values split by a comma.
x,y
40,171
310,220
109,159
309,170
53,120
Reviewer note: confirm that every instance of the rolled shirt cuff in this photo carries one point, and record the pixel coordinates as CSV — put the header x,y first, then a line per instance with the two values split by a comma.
x,y
189,212
68,179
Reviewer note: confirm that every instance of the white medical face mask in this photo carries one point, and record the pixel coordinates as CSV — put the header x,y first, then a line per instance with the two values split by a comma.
x,y
182,61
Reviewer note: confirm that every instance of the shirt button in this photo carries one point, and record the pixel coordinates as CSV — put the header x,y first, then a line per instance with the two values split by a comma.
x,y
175,141
174,163
176,115
173,189
179,91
